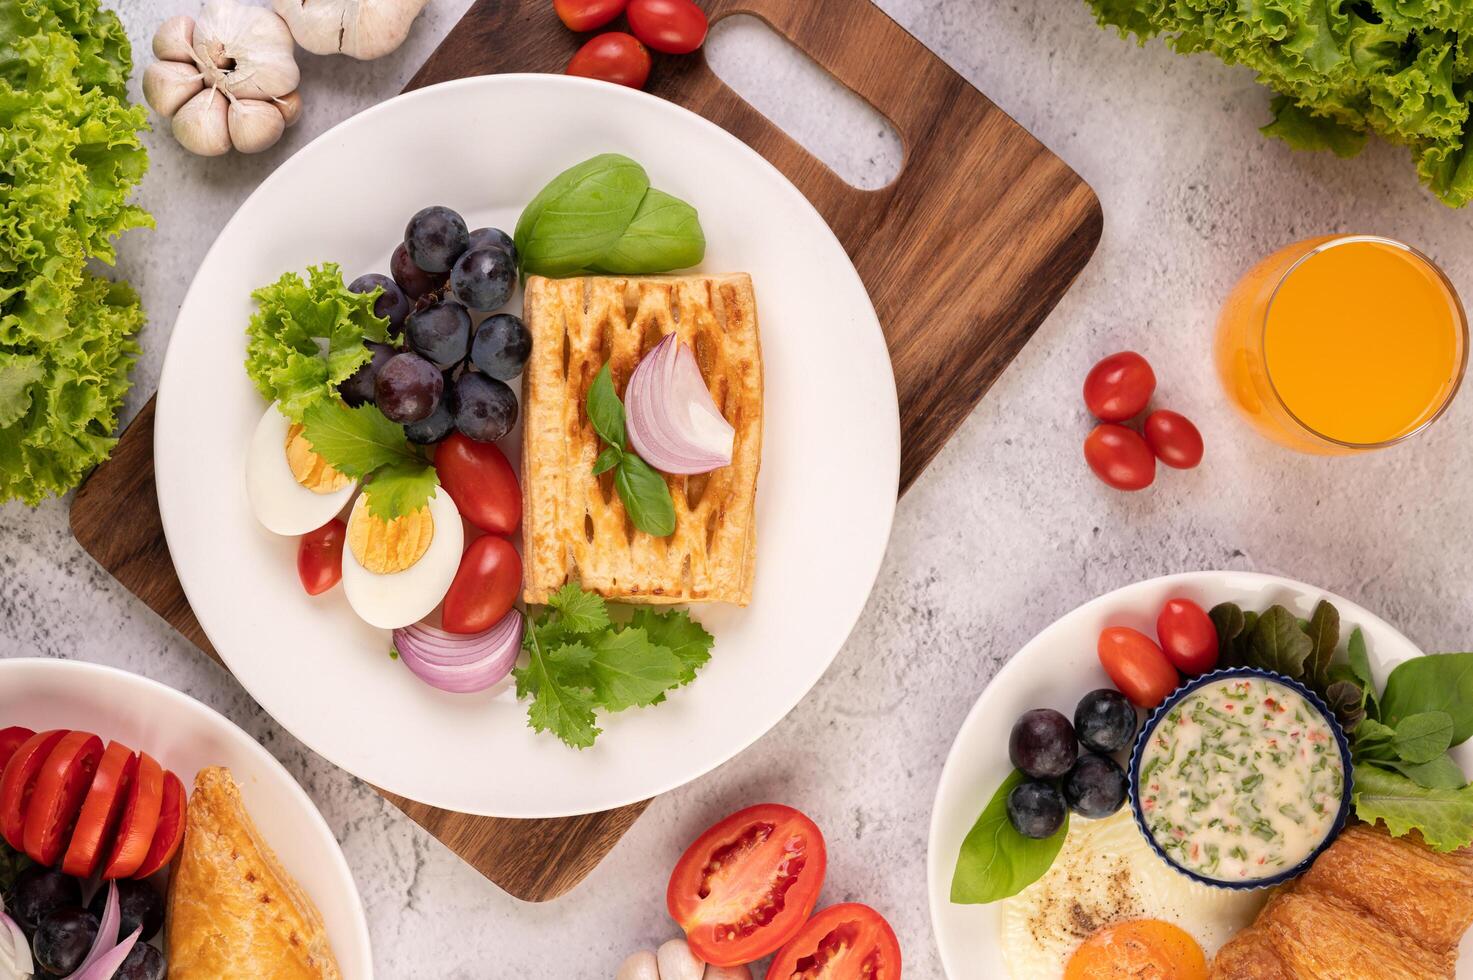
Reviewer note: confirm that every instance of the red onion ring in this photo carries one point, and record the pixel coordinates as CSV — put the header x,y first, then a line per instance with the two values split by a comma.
x,y
107,935
674,424
106,965
457,662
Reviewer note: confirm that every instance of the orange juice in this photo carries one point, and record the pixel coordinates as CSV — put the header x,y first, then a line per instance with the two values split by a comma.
x,y
1342,344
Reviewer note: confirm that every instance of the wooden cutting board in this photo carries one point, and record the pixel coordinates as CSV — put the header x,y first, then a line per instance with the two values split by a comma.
x,y
964,254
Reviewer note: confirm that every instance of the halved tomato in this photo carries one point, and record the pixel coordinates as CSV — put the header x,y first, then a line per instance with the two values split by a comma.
x,y
18,781
100,811
140,820
747,884
170,829
843,942
60,786
11,739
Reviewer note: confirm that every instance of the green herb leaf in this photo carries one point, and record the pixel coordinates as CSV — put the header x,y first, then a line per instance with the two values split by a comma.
x,y
605,410
646,496
12,863
1278,644
400,488
1346,700
1422,737
678,633
996,861
356,441
580,215
607,459
665,234
627,670
579,611
1360,664
1371,731
1324,637
1443,816
1227,617
1438,682
564,710
1441,773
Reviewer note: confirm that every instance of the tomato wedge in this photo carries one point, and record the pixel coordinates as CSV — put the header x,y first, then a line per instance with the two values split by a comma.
x,y
18,781
100,810
140,820
843,942
60,786
748,883
170,829
11,739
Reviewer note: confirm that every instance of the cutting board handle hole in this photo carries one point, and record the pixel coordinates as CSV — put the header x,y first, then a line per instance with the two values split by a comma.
x,y
805,101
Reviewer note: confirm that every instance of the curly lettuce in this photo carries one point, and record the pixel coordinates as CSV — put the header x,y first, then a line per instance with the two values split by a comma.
x,y
1399,69
70,155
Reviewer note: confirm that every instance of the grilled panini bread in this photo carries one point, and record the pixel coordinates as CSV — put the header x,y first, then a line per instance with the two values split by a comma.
x,y
575,526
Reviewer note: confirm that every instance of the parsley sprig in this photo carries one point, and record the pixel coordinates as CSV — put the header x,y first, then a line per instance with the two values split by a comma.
x,y
645,495
364,444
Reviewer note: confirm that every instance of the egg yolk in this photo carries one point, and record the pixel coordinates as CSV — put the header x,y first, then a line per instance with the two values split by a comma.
x,y
385,547
1143,949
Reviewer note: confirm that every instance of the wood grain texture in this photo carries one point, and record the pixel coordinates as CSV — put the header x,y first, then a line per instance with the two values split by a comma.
x,y
964,254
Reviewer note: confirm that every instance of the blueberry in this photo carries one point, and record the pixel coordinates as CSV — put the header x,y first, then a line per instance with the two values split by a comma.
x,y
1036,809
1095,786
501,346
1042,744
391,304
1105,721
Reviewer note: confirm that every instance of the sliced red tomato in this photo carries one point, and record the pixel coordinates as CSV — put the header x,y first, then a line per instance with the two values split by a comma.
x,y
747,884
11,739
485,586
101,810
843,942
18,781
481,482
170,830
60,786
140,821
320,557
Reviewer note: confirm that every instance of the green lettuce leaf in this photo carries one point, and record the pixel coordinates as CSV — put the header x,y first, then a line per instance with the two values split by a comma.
x,y
1443,816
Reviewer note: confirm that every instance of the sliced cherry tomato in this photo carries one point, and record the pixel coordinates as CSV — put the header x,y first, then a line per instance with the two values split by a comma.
x,y
1118,387
1120,457
139,822
747,884
19,780
1187,637
485,586
587,15
11,739
1136,665
613,57
170,831
1174,439
481,482
320,557
60,787
100,811
843,942
671,26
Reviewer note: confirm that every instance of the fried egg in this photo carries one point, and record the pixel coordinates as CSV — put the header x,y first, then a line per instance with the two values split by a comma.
x,y
396,572
1106,875
292,490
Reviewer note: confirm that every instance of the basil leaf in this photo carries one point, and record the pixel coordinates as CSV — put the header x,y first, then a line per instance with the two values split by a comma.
x,y
995,860
646,496
579,216
1441,773
607,460
1439,682
1227,617
1324,637
605,410
1423,737
1278,644
664,235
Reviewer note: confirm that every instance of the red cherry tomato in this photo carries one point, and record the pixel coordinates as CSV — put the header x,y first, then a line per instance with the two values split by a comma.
x,y
19,780
613,57
747,884
1118,387
1120,457
481,482
485,586
587,15
60,787
843,942
1174,439
170,831
671,26
140,820
100,811
11,739
320,557
1187,637
1136,665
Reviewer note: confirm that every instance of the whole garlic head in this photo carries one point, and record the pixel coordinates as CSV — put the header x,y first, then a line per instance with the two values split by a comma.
x,y
245,50
362,29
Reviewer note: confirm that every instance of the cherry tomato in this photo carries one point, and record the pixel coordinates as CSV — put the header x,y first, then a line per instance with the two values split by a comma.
x,y
747,884
60,787
1187,637
139,822
1119,457
1136,666
485,586
481,482
1174,439
100,811
843,942
11,739
1118,387
170,831
671,26
320,557
587,15
19,780
613,57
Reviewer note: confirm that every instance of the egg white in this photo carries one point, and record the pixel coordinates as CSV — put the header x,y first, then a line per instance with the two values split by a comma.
x,y
1107,873
280,503
400,598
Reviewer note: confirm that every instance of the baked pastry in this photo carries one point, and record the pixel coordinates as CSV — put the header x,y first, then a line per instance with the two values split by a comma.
x,y
233,911
575,527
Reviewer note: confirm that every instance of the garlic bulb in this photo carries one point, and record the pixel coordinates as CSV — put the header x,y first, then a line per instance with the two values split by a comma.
x,y
200,125
254,125
362,29
167,85
676,961
247,51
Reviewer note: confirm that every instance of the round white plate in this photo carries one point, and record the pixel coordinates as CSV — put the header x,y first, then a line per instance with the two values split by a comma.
x,y
186,736
1055,669
825,497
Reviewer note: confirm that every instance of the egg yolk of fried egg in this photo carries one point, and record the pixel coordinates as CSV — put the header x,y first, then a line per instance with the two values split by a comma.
x,y
1142,949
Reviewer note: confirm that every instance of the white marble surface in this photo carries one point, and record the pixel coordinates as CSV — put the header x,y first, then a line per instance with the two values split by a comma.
x,y
1005,532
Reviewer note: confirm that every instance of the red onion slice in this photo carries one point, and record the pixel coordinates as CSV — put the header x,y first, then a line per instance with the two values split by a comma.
x,y
107,934
457,662
107,964
674,424
15,950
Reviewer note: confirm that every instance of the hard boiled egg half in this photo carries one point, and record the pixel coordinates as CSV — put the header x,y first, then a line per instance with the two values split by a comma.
x,y
292,489
395,572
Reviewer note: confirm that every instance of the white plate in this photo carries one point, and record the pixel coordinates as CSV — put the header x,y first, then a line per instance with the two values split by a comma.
x,y
1055,669
186,736
825,498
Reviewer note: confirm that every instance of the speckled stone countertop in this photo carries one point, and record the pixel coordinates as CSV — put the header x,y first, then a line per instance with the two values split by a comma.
x,y
1004,533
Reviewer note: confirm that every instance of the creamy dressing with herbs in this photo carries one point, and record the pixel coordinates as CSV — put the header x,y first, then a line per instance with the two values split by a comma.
x,y
1241,780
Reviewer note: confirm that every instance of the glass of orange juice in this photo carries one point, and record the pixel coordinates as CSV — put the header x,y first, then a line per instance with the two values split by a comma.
x,y
1342,344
